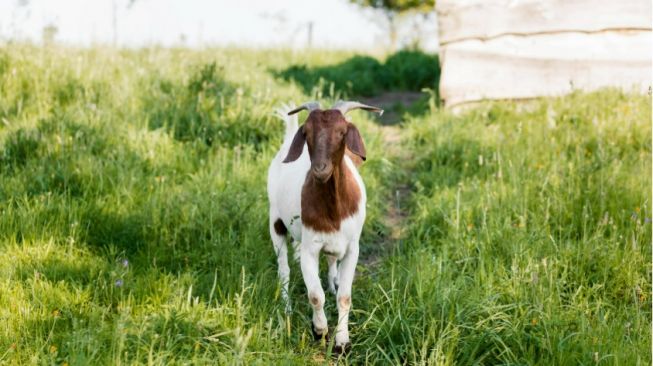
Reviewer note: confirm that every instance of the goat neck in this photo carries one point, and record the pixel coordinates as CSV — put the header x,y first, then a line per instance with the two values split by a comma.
x,y
326,204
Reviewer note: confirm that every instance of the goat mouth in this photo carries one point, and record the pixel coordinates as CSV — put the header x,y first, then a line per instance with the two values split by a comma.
x,y
322,176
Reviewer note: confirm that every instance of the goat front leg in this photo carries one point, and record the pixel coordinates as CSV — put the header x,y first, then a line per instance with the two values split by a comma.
x,y
309,261
346,273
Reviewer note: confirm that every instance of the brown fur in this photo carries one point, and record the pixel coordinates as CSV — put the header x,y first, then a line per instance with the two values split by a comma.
x,y
331,195
325,205
345,301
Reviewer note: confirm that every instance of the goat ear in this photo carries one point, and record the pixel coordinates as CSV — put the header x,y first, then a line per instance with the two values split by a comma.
x,y
296,146
354,141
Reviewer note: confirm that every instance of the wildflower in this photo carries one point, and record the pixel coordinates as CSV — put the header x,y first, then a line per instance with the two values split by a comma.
x,y
53,348
125,263
119,282
647,220
534,321
56,313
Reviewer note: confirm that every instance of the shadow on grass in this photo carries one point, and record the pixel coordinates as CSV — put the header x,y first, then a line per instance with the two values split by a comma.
x,y
55,268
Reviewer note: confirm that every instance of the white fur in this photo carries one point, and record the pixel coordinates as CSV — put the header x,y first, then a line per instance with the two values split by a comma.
x,y
285,182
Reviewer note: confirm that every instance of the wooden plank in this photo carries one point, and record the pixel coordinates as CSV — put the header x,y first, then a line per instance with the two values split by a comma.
x,y
487,71
485,19
610,45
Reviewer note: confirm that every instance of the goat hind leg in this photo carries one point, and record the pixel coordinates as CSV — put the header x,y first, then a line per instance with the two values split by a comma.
x,y
279,241
333,273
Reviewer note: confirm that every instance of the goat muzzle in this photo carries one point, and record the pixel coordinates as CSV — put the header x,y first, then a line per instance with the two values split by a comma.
x,y
322,171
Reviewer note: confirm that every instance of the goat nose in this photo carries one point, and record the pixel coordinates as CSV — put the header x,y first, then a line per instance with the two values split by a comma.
x,y
320,167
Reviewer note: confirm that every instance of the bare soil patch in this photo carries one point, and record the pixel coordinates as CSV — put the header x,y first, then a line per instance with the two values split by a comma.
x,y
389,102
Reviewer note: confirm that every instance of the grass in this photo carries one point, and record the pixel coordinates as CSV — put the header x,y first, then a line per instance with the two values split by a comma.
x,y
133,220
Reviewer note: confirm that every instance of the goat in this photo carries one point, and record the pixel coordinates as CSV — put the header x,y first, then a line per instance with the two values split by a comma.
x,y
318,198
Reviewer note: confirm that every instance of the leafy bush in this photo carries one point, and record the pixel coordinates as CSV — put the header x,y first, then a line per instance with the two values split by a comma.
x,y
409,70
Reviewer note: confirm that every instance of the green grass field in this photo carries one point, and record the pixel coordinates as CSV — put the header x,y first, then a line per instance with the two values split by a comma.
x,y
133,220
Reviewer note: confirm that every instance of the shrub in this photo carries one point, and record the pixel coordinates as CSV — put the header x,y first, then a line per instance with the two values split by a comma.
x,y
412,70
409,70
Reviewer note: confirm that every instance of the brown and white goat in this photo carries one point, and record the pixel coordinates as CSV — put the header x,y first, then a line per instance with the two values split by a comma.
x,y
318,199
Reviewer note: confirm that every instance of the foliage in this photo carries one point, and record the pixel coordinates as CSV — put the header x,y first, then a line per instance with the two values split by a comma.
x,y
366,76
397,5
392,12
412,70
133,222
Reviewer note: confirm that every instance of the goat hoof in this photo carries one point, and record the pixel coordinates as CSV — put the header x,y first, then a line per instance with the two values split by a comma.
x,y
341,349
318,337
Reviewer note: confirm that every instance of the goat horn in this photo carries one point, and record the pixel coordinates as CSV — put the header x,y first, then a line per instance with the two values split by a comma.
x,y
345,107
309,106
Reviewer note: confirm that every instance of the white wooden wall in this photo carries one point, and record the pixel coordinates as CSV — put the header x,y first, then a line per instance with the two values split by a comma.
x,y
518,49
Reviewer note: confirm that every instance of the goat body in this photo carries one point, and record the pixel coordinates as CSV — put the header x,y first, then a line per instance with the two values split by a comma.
x,y
317,198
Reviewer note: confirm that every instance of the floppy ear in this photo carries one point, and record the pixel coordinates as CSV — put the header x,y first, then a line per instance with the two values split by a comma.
x,y
296,146
354,141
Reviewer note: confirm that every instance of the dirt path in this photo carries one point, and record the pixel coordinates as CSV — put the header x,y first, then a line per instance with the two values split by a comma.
x,y
388,101
395,213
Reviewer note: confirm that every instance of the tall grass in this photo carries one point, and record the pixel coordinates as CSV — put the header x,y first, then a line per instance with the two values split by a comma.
x,y
133,220
529,238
